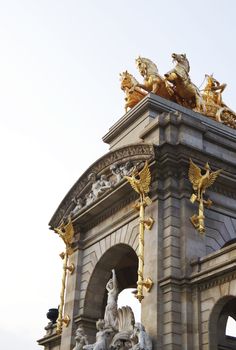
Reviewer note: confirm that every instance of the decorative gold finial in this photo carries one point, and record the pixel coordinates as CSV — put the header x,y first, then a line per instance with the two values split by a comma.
x,y
140,182
200,183
66,232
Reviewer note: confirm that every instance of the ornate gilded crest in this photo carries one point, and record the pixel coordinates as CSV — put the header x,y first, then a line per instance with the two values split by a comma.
x,y
200,183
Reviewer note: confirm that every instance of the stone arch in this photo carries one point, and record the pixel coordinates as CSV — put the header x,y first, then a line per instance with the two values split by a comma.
x,y
124,260
224,308
126,235
221,230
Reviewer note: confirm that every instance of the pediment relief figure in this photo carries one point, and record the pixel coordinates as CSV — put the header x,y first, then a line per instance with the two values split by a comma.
x,y
107,171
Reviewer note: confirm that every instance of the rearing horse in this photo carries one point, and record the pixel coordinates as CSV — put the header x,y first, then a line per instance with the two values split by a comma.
x,y
187,94
153,81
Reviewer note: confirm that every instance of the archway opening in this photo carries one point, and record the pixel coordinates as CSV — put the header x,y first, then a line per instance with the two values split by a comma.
x,y
127,298
224,310
231,327
124,260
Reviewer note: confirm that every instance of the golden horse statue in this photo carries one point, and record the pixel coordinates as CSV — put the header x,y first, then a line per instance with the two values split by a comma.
x,y
187,94
132,90
153,81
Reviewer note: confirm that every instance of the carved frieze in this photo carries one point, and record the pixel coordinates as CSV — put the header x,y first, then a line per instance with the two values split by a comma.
x,y
100,178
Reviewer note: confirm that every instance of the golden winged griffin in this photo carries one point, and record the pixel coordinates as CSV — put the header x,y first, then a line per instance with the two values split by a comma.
x,y
177,86
200,183
66,233
140,181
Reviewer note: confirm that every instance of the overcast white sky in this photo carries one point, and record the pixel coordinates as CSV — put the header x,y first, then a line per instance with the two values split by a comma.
x,y
59,93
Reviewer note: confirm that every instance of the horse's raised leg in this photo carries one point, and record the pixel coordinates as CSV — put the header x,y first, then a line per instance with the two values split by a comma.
x,y
155,87
200,104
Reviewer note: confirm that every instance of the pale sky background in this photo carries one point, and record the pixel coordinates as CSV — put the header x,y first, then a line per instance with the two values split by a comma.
x,y
59,94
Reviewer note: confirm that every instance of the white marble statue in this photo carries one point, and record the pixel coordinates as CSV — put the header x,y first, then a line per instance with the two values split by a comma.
x,y
98,187
140,339
79,203
103,337
121,170
111,314
80,339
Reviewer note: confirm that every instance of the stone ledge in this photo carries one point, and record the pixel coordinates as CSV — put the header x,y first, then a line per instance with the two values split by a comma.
x,y
154,104
52,338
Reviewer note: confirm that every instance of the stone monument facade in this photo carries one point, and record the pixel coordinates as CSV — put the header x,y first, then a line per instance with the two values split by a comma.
x,y
193,274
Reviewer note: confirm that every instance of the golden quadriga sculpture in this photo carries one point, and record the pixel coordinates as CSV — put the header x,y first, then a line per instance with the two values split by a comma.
x,y
200,183
177,86
66,232
140,182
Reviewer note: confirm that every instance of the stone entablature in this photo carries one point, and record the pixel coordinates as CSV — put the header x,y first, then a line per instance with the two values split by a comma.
x,y
215,269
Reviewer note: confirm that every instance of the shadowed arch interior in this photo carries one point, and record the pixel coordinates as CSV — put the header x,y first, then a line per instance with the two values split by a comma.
x,y
124,260
224,308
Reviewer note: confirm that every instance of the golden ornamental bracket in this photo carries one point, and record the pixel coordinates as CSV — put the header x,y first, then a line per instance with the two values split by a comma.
x,y
200,184
66,232
140,182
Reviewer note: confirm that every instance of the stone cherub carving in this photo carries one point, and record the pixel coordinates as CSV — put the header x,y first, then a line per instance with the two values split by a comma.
x,y
79,204
80,339
140,339
110,316
103,337
121,170
98,187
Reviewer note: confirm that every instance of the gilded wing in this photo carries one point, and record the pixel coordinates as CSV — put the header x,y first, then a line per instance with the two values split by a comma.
x,y
66,232
145,177
194,174
212,177
133,182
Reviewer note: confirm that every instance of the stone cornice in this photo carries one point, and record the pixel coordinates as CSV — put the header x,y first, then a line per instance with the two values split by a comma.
x,y
215,269
155,105
90,323
196,263
53,339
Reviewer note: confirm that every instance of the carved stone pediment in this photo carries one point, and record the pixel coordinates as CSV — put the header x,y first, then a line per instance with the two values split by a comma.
x,y
101,178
